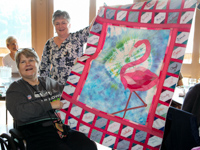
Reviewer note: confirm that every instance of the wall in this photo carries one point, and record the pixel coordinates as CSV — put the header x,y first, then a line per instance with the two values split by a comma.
x,y
42,28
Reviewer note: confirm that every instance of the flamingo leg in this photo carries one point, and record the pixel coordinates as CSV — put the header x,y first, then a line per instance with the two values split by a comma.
x,y
118,112
140,99
145,105
125,109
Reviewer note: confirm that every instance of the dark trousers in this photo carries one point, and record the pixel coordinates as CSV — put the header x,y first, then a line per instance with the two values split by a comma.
x,y
39,137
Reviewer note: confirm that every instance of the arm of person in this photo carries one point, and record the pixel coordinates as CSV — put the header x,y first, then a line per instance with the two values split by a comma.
x,y
23,109
52,84
92,22
180,82
45,64
56,104
180,79
4,61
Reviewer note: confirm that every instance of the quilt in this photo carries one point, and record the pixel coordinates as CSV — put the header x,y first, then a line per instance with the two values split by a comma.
x,y
119,91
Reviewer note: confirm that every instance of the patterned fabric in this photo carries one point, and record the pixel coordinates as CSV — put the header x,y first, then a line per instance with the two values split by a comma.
x,y
96,101
62,59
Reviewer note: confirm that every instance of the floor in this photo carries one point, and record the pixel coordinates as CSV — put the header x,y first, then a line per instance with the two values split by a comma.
x,y
5,128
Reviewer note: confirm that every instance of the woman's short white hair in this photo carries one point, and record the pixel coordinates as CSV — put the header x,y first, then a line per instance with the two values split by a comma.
x,y
10,39
60,14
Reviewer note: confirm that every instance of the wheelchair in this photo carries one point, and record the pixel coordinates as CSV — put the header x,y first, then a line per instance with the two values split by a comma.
x,y
13,142
7,142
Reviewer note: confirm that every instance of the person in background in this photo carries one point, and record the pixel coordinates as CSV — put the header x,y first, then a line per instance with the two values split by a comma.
x,y
32,101
191,101
9,59
180,81
61,52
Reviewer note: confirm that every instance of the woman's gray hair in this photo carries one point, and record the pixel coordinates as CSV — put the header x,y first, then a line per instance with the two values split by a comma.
x,y
60,14
27,52
10,39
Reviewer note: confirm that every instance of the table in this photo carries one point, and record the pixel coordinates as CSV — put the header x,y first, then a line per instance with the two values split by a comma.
x,y
4,84
179,96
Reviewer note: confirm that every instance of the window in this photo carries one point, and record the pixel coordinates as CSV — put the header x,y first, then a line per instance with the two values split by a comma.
x,y
189,49
78,11
15,19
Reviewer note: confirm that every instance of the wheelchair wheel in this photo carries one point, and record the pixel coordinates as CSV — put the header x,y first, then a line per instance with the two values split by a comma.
x,y
7,142
4,144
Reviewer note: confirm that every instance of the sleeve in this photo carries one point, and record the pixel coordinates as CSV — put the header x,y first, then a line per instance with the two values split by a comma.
x,y
190,99
83,36
53,84
4,61
21,108
45,64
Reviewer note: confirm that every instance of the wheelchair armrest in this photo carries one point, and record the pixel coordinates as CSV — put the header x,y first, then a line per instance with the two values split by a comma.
x,y
16,134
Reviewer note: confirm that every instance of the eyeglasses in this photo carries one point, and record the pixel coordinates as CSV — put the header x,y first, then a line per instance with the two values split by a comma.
x,y
30,49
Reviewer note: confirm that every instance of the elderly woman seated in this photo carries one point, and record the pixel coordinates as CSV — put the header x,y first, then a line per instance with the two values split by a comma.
x,y
32,101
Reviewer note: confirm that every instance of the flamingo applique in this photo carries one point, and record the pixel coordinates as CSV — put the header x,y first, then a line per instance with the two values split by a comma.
x,y
137,79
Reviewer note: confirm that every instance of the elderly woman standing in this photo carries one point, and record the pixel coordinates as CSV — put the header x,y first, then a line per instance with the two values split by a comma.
x,y
9,59
61,52
32,101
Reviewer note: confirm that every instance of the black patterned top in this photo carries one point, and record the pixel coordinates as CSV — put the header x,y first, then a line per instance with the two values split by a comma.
x,y
62,59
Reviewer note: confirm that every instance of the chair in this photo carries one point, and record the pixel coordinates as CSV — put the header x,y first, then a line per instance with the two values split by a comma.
x,y
7,143
181,131
18,138
13,142
4,99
